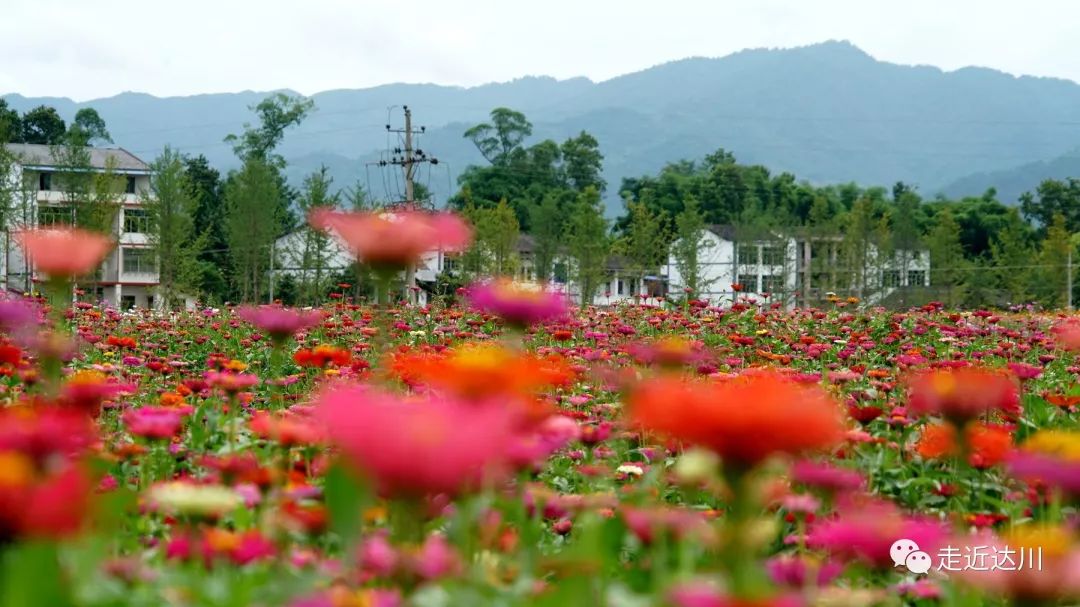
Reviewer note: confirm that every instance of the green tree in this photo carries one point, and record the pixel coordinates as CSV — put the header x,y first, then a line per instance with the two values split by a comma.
x,y
644,242
277,113
205,188
251,225
500,138
1011,253
1052,198
859,240
548,222
43,125
690,239
946,257
497,233
88,128
583,163
1051,283
588,244
171,206
315,246
10,124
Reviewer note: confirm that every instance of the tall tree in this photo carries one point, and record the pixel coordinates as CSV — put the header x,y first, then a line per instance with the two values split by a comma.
x,y
644,242
88,128
946,257
858,243
497,233
43,125
205,188
498,139
1011,253
1051,285
251,225
588,243
1051,198
170,206
315,247
583,162
690,239
277,113
10,124
548,221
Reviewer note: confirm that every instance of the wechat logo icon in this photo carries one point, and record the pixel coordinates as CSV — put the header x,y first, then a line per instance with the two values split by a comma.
x,y
906,553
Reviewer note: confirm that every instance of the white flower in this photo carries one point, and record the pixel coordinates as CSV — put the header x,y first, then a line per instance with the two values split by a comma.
x,y
632,469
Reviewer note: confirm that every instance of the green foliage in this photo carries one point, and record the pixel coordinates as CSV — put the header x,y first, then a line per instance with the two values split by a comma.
x,y
171,206
43,125
501,138
588,243
205,188
312,254
548,219
88,128
644,242
1050,284
1054,198
496,239
690,239
251,225
277,113
10,124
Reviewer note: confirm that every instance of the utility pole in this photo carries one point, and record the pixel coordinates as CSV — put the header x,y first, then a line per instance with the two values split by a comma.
x,y
408,158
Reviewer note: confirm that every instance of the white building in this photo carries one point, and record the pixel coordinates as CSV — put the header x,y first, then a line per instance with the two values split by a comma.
x,y
128,276
795,270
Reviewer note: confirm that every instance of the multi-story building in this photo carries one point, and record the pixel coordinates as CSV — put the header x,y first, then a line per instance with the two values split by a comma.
x,y
799,269
42,191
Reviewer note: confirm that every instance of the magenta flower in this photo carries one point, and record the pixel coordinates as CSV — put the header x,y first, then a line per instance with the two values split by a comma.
x,y
231,383
866,531
155,422
280,323
517,304
827,477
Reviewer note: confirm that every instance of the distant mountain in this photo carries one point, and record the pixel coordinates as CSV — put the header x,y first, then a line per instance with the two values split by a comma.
x,y
1011,183
827,113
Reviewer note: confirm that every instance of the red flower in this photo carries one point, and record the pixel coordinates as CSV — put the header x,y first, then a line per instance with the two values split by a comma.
x,y
962,394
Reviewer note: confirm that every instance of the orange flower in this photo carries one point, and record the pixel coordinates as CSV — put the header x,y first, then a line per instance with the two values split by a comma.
x,y
744,420
64,253
987,445
484,370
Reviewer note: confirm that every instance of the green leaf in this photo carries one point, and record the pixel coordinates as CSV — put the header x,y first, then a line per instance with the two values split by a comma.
x,y
346,498
31,575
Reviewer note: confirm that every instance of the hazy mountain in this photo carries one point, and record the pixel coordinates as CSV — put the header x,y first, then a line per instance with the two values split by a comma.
x,y
1011,183
827,112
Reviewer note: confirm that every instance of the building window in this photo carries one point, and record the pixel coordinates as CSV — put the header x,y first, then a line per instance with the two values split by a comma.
x,y
772,283
129,187
561,272
49,215
139,261
749,283
127,302
747,254
916,278
634,290
890,278
136,221
44,181
450,264
150,301
772,256
620,291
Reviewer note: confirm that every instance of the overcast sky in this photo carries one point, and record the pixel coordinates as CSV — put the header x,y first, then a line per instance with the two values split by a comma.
x,y
85,50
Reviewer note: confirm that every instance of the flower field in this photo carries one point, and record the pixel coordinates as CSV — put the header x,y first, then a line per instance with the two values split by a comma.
x,y
501,449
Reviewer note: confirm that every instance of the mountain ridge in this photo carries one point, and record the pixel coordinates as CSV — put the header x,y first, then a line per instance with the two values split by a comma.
x,y
827,112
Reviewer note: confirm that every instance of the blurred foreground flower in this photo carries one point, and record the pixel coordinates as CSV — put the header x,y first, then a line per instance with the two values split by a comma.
x,y
280,323
64,253
963,394
394,240
516,303
417,447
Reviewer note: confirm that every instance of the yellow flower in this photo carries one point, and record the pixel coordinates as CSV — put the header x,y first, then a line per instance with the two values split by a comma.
x,y
1059,443
235,365
16,470
188,498
1053,540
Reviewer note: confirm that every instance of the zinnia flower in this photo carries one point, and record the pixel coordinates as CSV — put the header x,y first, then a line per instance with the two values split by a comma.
x,y
417,447
64,253
744,420
1051,457
962,394
394,240
516,303
866,529
281,323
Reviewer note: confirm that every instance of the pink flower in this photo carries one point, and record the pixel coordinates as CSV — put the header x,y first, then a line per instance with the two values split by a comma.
x,y
281,323
825,476
866,530
517,304
64,253
793,571
436,559
394,239
231,383
377,556
417,447
154,422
